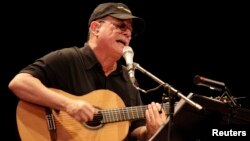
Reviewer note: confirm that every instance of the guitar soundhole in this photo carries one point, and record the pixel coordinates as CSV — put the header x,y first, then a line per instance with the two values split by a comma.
x,y
95,123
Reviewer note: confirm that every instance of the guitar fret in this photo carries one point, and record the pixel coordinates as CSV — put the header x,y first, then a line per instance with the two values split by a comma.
x,y
109,116
132,112
112,117
142,111
120,114
124,114
132,115
128,112
116,115
105,117
137,113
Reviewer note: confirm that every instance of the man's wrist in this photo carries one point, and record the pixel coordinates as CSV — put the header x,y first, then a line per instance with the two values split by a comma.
x,y
146,135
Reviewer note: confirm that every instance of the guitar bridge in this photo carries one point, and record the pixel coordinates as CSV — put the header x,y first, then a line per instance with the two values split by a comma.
x,y
51,124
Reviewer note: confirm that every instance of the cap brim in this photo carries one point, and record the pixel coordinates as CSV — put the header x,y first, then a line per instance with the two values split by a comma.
x,y
138,23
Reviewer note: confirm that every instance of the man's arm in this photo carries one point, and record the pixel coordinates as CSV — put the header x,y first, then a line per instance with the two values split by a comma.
x,y
29,88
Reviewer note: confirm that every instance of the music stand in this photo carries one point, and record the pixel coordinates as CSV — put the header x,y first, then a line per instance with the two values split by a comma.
x,y
191,124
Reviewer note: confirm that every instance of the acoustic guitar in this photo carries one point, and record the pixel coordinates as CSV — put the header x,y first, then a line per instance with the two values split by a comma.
x,y
111,123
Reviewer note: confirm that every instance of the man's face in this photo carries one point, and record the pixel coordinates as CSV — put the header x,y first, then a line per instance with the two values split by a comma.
x,y
114,34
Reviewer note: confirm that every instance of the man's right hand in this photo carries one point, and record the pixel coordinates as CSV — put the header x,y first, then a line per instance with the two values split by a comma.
x,y
81,110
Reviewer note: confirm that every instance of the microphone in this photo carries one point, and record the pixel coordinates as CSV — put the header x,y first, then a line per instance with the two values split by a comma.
x,y
128,55
212,84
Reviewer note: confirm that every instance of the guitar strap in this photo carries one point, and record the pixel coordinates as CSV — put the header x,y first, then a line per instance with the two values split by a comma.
x,y
51,124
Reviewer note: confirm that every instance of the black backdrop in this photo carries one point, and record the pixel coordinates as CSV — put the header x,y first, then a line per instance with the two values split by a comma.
x,y
181,40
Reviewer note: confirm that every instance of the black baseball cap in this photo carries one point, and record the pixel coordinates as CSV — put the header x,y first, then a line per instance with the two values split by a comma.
x,y
119,11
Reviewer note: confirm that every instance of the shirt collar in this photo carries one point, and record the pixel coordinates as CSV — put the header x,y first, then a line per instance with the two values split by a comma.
x,y
91,61
89,57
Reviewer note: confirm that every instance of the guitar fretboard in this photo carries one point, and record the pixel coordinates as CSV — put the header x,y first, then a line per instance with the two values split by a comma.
x,y
127,113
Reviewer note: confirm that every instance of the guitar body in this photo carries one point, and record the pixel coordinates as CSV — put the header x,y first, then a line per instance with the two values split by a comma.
x,y
32,124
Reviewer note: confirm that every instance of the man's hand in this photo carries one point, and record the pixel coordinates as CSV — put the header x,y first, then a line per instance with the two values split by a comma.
x,y
81,110
155,117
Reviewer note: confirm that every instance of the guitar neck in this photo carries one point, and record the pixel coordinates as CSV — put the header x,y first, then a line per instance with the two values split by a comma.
x,y
124,114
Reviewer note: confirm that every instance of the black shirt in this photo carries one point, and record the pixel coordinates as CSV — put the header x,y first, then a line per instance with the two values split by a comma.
x,y
78,72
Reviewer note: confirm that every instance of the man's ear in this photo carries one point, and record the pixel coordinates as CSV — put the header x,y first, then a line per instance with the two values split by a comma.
x,y
94,27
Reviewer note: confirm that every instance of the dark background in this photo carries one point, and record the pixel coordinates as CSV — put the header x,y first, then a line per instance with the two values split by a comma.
x,y
181,40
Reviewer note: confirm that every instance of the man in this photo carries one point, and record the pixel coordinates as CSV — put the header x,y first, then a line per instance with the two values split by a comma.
x,y
95,66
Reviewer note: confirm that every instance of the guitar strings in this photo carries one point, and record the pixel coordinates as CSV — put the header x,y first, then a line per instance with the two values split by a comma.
x,y
122,114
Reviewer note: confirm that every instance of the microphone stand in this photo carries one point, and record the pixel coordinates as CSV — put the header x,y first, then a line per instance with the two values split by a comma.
x,y
171,91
